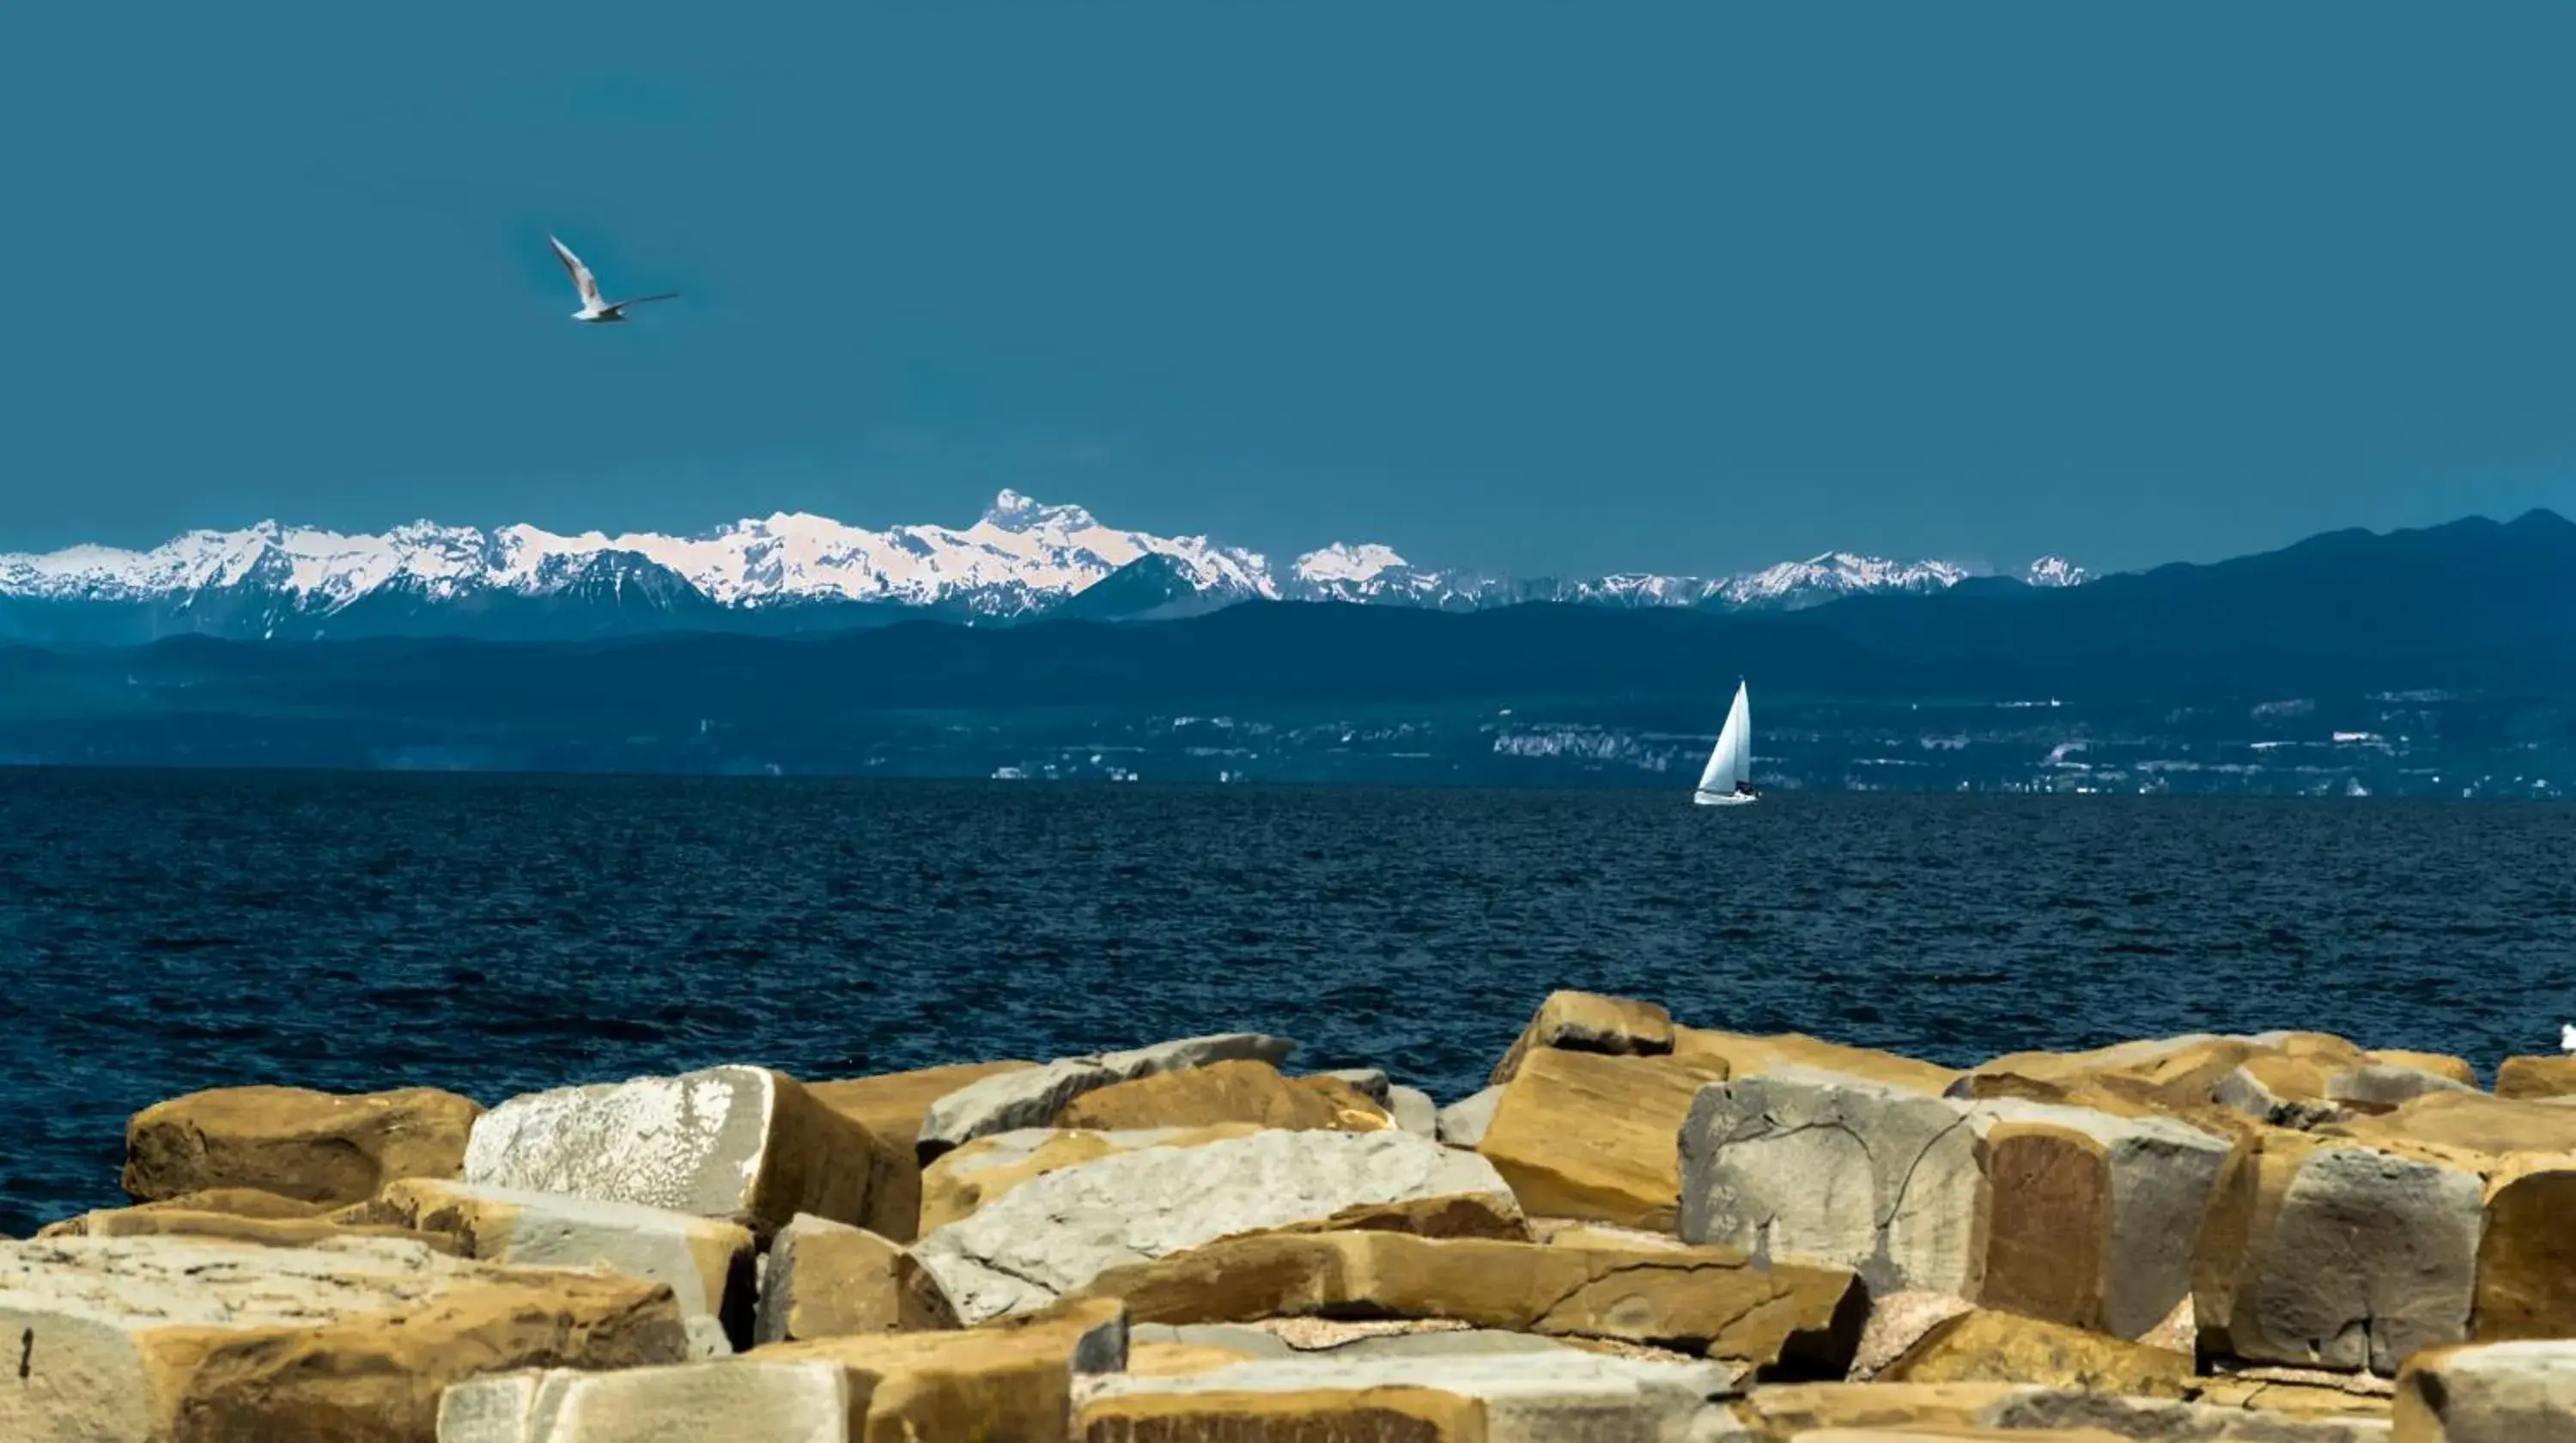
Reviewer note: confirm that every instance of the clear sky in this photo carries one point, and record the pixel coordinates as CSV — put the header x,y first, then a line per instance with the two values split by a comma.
x,y
1553,288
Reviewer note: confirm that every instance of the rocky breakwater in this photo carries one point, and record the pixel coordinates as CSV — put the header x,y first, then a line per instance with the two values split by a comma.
x,y
1643,1230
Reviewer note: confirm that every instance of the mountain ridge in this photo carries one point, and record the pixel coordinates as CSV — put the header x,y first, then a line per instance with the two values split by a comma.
x,y
1022,559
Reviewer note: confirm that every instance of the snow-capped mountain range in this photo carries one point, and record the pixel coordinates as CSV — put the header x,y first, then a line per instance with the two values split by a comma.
x,y
1021,558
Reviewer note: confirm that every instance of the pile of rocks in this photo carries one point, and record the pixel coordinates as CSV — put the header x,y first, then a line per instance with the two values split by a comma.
x,y
1641,1232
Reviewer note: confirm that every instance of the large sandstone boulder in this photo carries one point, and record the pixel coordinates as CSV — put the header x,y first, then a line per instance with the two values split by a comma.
x,y
1253,1093
1005,1381
2524,1154
2328,1253
740,1143
2066,1214
1589,1135
1781,1320
1983,1346
707,1263
827,1279
1785,1413
314,1146
271,1232
960,1181
240,1202
774,1402
889,1107
2520,1392
1545,1397
1054,1234
1748,1054
2284,1079
2536,1077
1032,1097
1589,1022
164,1339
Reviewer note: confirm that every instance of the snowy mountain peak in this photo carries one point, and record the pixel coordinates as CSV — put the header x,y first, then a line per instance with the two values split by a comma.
x,y
1345,563
1021,557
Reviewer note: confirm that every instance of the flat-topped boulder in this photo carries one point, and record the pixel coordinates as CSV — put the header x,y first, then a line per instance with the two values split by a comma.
x,y
960,1181
164,1339
744,1144
2284,1079
1589,1022
1520,1397
2066,1214
316,1147
1783,1319
1748,1054
1007,1380
2536,1077
1032,1097
272,1232
1783,1413
1055,1233
1252,1093
775,1402
1592,1135
2519,1392
240,1202
826,1279
706,1262
1465,1122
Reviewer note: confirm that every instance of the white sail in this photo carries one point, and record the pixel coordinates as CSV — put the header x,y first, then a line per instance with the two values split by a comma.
x,y
1732,759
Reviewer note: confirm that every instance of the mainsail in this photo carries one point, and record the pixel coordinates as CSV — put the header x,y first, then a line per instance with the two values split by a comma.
x,y
1732,760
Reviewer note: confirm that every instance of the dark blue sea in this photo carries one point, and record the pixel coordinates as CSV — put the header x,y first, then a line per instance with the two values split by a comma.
x,y
166,931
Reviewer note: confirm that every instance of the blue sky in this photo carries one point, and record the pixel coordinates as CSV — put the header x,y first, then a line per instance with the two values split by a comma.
x,y
1561,288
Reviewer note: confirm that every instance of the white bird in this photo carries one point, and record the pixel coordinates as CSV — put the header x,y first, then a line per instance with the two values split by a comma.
x,y
593,309
2567,1037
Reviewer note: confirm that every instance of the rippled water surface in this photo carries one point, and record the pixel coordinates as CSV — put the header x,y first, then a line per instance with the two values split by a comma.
x,y
164,931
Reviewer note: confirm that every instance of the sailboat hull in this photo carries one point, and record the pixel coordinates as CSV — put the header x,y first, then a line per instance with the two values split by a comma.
x,y
1722,799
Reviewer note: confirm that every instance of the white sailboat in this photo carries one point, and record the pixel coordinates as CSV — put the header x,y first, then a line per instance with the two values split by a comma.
x,y
1727,781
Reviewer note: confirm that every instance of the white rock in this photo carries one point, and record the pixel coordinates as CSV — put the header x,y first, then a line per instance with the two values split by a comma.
x,y
742,1143
2520,1392
806,1402
1541,1396
1053,1234
1413,1111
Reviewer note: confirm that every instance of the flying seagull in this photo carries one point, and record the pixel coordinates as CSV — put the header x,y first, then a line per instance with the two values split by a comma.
x,y
593,309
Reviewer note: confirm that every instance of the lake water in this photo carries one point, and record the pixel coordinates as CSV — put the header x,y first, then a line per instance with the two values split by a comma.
x,y
166,931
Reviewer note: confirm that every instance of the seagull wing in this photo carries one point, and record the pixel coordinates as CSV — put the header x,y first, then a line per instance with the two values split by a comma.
x,y
581,277
639,300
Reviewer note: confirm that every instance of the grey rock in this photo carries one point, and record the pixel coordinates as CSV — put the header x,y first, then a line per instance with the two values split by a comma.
x,y
2516,1392
1031,1097
2371,1258
1053,1234
2154,1420
1414,1111
1463,1123
1444,1343
2385,1085
2243,1092
1257,1342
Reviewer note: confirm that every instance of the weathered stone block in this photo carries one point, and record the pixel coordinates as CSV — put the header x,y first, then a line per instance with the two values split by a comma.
x,y
1586,1135
313,1146
827,1279
1032,1097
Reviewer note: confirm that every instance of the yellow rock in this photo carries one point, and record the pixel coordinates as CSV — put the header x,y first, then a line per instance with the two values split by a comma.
x,y
828,1279
1584,1135
1180,1360
1226,1092
240,1202
2534,1077
1784,1410
1369,1415
171,1339
286,1232
1750,1055
312,1146
1984,1346
1788,1318
1003,1381
890,1107
2439,1064
1589,1022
